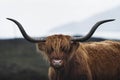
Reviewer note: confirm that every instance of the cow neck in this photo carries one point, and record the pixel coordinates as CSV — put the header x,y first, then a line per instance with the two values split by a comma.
x,y
60,74
57,75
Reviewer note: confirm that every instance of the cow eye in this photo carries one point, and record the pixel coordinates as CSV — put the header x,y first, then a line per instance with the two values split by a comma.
x,y
50,50
63,49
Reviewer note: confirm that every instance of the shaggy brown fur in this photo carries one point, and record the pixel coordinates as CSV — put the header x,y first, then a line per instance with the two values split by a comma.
x,y
82,61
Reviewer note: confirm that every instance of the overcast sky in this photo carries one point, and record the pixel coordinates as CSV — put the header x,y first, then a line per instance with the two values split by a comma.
x,y
40,16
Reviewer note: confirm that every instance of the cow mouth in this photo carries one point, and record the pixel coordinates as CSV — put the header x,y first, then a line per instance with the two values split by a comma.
x,y
58,67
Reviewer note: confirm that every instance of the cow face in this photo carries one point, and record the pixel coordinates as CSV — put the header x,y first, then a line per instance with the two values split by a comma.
x,y
58,49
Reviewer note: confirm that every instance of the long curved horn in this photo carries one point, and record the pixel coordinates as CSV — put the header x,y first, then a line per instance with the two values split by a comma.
x,y
84,38
27,37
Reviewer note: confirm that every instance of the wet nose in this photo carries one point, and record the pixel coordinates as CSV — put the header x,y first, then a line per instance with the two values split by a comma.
x,y
57,63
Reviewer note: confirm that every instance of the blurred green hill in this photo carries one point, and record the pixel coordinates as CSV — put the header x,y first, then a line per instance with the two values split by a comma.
x,y
19,60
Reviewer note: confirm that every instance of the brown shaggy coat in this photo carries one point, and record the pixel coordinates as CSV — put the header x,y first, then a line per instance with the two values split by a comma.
x,y
83,61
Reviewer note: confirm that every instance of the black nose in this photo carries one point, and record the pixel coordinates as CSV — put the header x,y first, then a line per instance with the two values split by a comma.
x,y
57,63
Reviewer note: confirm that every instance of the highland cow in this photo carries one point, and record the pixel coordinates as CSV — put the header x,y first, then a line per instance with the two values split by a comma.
x,y
71,59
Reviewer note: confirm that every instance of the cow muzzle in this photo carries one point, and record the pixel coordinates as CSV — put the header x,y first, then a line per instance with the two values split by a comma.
x,y
57,63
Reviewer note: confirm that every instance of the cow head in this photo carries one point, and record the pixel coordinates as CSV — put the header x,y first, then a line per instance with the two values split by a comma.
x,y
58,49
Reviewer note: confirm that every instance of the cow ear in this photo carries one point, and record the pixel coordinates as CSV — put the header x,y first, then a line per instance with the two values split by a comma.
x,y
74,46
41,46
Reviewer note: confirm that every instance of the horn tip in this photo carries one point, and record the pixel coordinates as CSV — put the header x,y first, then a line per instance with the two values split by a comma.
x,y
112,19
9,18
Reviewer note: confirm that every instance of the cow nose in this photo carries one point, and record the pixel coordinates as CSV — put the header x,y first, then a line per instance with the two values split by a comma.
x,y
57,63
